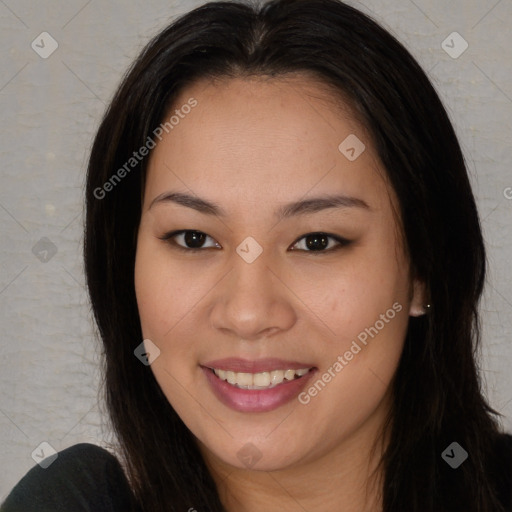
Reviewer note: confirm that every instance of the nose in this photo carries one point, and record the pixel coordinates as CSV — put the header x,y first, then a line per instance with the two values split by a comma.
x,y
253,301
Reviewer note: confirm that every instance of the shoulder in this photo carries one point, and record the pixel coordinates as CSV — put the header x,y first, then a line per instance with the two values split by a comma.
x,y
501,469
83,477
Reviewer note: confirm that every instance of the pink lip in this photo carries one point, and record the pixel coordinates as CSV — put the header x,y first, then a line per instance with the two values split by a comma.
x,y
236,364
256,400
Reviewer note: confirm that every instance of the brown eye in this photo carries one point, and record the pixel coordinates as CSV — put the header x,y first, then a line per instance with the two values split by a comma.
x,y
194,239
319,242
188,240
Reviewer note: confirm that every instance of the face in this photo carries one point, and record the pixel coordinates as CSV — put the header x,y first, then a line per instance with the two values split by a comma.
x,y
279,335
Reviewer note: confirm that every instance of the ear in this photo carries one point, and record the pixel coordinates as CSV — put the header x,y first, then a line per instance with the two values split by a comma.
x,y
419,304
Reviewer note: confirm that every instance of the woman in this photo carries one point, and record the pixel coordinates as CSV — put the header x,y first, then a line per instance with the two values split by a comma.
x,y
285,260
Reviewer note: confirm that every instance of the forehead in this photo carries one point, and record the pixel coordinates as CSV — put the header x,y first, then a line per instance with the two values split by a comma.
x,y
265,138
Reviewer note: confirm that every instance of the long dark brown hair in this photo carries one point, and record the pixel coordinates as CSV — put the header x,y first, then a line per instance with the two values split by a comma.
x,y
437,397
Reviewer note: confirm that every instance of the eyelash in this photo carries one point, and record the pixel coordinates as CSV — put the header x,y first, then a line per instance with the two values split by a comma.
x,y
168,237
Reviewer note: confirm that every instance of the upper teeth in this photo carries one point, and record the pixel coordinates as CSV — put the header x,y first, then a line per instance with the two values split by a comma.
x,y
259,380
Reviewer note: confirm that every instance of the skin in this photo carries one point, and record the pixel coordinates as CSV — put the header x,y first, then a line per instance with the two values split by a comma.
x,y
252,145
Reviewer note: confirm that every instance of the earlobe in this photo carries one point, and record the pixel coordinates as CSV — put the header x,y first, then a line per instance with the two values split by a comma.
x,y
419,305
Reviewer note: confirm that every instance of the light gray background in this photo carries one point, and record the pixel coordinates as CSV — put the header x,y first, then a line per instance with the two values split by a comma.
x,y
50,109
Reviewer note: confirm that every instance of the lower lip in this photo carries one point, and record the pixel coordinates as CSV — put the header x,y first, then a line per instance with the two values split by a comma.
x,y
256,400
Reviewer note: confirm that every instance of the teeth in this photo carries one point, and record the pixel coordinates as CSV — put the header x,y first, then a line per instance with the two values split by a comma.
x,y
243,379
289,374
275,377
262,380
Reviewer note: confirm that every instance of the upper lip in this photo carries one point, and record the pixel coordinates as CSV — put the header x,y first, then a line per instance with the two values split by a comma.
x,y
236,364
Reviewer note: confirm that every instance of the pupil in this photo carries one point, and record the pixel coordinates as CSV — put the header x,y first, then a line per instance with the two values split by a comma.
x,y
194,239
317,242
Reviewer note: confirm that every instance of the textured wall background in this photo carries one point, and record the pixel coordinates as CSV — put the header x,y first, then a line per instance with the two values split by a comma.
x,y
49,359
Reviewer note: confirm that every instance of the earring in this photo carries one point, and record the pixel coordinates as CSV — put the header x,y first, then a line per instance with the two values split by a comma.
x,y
427,308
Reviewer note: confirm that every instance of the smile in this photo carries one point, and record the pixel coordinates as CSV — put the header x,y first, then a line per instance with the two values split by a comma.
x,y
261,387
261,380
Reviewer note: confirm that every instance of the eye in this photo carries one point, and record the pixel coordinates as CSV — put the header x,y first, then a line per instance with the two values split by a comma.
x,y
193,240
319,242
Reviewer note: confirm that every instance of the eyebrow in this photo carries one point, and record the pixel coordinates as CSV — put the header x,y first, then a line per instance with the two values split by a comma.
x,y
302,207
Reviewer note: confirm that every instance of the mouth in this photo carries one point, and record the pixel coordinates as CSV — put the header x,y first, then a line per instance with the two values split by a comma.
x,y
259,385
260,380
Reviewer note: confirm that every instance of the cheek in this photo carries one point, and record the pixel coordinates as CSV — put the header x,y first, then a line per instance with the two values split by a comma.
x,y
366,310
150,292
359,294
357,371
164,300
168,293
164,293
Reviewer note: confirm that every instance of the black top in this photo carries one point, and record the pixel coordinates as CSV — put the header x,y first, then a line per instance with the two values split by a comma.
x,y
87,478
83,478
